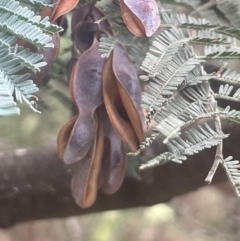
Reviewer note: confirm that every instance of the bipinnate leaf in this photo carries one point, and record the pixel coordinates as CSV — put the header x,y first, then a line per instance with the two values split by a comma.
x,y
63,7
85,172
49,56
121,110
141,16
86,92
114,158
84,28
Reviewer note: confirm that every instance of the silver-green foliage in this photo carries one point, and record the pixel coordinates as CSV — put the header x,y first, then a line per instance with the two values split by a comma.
x,y
19,21
178,94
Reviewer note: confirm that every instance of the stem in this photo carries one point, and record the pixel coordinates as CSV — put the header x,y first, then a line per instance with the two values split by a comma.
x,y
203,7
217,160
218,155
218,96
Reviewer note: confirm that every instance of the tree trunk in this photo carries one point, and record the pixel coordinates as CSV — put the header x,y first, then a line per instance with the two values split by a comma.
x,y
36,184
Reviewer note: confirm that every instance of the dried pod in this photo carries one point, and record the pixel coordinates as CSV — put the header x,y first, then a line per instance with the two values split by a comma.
x,y
70,65
123,113
106,163
86,92
114,158
84,28
141,16
126,74
64,135
85,173
63,7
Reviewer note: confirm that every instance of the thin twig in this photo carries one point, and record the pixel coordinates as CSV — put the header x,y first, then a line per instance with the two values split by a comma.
x,y
218,156
203,7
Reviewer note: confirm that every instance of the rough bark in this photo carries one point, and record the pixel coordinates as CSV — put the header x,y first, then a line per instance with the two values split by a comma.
x,y
36,184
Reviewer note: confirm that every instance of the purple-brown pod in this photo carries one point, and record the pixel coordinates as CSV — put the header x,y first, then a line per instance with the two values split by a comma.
x,y
86,93
141,16
84,28
126,74
114,158
124,115
105,168
86,172
62,21
63,136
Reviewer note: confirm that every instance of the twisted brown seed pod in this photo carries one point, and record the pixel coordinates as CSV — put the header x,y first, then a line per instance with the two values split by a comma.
x,y
86,172
84,28
123,113
114,157
86,92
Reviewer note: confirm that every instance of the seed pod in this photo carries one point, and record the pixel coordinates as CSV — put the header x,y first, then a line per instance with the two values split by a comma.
x,y
141,16
63,7
123,113
63,136
126,74
85,173
86,92
106,163
114,158
62,21
84,28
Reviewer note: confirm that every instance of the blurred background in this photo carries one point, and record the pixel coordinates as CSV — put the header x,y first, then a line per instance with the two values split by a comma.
x,y
211,213
208,214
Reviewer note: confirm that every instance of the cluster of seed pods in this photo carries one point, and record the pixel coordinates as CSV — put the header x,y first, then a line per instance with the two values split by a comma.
x,y
140,16
107,96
